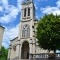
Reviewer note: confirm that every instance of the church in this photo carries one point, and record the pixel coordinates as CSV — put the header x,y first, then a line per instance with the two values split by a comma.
x,y
26,42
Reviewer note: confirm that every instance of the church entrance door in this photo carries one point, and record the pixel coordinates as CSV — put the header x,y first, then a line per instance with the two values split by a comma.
x,y
25,50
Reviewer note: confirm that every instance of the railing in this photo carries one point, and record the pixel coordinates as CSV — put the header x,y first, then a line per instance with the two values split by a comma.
x,y
43,56
58,55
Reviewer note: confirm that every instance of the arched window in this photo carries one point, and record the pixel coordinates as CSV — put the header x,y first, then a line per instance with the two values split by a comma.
x,y
26,31
28,11
25,12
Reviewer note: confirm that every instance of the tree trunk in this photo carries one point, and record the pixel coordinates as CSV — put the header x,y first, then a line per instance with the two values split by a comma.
x,y
55,51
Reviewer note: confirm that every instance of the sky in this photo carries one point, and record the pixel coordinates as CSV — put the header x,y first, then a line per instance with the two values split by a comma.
x,y
10,15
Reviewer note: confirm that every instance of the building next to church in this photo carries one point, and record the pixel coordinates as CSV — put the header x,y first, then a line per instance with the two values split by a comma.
x,y
25,43
1,34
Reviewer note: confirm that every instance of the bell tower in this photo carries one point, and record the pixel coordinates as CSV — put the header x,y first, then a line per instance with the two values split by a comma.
x,y
26,29
27,10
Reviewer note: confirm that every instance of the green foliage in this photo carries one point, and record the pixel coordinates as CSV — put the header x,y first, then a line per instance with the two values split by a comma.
x,y
3,53
48,32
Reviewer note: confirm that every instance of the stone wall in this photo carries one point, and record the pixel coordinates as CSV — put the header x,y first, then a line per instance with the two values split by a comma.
x,y
1,35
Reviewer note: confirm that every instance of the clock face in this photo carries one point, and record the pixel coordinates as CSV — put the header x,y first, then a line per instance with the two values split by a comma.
x,y
25,26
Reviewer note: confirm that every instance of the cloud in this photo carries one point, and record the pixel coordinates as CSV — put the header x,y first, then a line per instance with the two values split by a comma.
x,y
35,6
1,9
19,4
9,12
49,9
58,3
9,16
9,34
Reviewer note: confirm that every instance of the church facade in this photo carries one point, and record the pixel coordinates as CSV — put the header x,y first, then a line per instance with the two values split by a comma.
x,y
26,43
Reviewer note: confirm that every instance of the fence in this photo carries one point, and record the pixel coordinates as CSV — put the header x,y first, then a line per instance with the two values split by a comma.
x,y
43,56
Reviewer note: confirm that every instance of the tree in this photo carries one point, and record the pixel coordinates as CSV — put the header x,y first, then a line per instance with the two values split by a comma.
x,y
3,53
48,32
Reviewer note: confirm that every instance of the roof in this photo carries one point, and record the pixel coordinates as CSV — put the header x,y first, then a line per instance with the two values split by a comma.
x,y
2,26
14,38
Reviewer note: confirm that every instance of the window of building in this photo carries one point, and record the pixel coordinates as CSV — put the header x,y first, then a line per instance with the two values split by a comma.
x,y
24,12
28,11
26,31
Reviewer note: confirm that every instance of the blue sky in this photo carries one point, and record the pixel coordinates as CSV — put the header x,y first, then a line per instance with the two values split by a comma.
x,y
10,15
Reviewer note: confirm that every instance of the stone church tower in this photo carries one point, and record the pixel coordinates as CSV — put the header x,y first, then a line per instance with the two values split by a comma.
x,y
26,43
